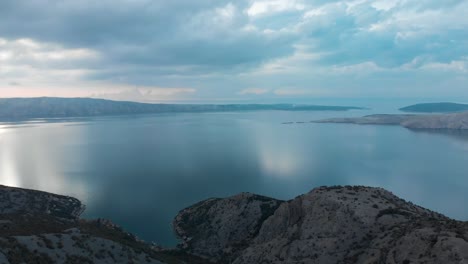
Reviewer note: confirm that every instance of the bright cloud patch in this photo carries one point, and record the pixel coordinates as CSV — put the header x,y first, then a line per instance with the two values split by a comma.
x,y
273,6
33,53
26,64
147,94
254,91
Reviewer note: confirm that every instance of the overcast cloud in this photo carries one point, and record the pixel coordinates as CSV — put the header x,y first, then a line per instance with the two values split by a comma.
x,y
217,50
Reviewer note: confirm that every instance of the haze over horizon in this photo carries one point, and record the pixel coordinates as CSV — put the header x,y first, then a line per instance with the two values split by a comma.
x,y
223,51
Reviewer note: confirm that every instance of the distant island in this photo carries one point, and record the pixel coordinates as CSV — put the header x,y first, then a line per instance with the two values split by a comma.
x,y
432,121
435,108
53,107
337,224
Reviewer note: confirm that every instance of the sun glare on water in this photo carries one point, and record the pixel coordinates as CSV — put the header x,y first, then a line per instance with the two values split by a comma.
x,y
8,172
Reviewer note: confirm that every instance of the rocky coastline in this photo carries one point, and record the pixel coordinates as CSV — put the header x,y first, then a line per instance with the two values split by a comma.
x,y
339,224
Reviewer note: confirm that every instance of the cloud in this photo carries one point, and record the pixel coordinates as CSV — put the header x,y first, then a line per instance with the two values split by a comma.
x,y
29,63
258,8
256,91
298,92
203,33
29,52
147,94
217,46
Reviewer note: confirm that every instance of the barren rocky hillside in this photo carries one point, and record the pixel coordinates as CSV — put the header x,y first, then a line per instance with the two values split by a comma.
x,y
348,224
39,227
326,225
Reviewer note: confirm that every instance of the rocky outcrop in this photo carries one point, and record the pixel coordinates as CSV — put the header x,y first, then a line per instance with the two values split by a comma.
x,y
216,228
437,121
348,224
326,225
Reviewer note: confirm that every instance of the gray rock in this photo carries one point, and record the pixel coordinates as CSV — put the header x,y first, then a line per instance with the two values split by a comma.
x,y
216,228
328,225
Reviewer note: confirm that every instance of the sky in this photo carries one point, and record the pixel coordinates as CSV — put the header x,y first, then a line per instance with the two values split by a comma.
x,y
234,51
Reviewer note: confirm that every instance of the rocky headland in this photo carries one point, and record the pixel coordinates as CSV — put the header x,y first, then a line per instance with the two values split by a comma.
x,y
350,224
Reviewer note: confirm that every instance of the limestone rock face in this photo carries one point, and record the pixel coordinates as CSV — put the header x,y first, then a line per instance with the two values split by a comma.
x,y
330,225
216,228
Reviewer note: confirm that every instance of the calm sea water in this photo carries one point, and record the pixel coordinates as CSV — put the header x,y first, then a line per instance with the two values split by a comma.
x,y
140,171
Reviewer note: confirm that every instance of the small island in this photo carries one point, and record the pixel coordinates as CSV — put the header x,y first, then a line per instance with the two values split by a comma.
x,y
435,108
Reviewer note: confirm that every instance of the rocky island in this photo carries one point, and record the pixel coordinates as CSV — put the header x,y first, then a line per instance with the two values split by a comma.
x,y
340,224
435,108
453,121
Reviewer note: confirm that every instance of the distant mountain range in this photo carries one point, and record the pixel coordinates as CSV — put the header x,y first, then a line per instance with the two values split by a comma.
x,y
435,108
53,107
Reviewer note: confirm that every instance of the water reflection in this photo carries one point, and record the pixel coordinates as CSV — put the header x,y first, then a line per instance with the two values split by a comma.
x,y
140,172
455,133
27,160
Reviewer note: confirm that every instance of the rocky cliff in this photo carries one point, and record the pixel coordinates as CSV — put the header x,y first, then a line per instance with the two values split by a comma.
x,y
326,225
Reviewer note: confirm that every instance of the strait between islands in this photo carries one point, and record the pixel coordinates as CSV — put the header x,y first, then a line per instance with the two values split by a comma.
x,y
340,224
